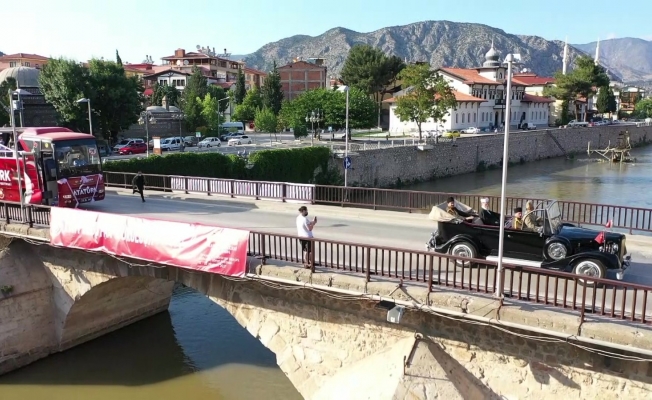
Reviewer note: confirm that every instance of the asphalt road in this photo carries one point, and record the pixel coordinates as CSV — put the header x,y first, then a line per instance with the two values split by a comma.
x,y
375,231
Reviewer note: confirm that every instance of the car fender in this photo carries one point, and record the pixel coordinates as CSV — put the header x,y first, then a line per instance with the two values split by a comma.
x,y
443,248
609,260
564,240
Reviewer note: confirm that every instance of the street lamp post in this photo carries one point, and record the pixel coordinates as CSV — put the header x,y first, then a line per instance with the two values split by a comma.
x,y
510,59
90,121
17,93
346,130
312,117
146,118
19,105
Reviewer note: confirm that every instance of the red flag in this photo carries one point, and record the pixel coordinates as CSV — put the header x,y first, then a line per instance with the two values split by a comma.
x,y
610,223
600,238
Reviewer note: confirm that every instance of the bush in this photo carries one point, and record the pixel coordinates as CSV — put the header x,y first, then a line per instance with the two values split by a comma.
x,y
300,131
305,165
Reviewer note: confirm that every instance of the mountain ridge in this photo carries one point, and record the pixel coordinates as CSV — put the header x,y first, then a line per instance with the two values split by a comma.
x,y
441,43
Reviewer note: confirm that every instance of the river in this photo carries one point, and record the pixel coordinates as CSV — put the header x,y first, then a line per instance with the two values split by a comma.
x,y
197,351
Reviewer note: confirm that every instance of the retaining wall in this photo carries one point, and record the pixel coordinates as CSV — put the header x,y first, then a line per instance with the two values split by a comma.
x,y
393,166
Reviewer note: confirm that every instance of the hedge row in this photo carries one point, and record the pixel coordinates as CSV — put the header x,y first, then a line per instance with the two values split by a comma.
x,y
305,165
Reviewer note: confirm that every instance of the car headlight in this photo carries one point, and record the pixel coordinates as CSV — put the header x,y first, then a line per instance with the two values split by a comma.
x,y
614,248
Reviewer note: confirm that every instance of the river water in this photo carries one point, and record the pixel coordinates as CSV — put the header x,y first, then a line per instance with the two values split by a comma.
x,y
198,351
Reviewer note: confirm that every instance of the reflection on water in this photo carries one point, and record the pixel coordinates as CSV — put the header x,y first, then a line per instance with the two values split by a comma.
x,y
591,182
196,351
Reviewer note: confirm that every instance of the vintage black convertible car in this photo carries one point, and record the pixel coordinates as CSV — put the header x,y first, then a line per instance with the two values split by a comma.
x,y
552,245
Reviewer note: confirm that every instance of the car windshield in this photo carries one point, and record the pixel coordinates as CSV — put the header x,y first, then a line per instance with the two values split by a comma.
x,y
77,157
123,142
554,216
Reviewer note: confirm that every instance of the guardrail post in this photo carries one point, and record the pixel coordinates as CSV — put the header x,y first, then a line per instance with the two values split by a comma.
x,y
232,188
284,193
124,179
312,255
374,192
367,263
430,273
185,184
5,207
410,202
30,217
257,186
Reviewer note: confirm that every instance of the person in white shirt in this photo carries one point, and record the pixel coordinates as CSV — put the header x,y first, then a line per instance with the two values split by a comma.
x,y
304,230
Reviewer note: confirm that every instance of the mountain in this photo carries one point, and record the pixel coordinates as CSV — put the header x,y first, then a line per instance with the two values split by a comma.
x,y
630,58
442,43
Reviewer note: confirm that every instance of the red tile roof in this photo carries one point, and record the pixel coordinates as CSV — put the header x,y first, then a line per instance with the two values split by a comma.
x,y
254,71
530,98
23,55
533,79
224,85
459,96
468,75
304,64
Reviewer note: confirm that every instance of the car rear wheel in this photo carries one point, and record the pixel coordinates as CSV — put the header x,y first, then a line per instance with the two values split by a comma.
x,y
589,267
129,153
463,249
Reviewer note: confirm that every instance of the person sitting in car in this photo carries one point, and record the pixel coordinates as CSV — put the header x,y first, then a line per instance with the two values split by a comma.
x,y
487,216
456,212
531,221
517,220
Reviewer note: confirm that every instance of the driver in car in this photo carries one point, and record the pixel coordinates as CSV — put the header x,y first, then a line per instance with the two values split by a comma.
x,y
456,212
531,221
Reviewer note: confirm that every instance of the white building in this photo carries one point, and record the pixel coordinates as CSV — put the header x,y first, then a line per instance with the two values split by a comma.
x,y
481,97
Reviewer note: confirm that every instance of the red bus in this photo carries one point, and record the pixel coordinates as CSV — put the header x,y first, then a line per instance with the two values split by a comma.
x,y
59,167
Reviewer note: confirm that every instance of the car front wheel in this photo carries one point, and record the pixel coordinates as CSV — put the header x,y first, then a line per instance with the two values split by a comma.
x,y
591,268
463,249
208,145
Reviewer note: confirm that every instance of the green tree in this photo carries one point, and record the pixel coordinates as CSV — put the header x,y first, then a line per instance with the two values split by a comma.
x,y
63,82
643,108
172,94
246,110
581,81
116,99
428,96
273,91
612,104
5,111
118,60
602,103
265,120
196,88
240,88
209,111
370,70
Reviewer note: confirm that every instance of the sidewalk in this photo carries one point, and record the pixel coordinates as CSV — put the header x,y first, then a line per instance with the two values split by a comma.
x,y
388,217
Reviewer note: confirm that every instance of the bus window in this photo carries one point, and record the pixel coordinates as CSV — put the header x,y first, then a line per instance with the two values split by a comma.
x,y
77,158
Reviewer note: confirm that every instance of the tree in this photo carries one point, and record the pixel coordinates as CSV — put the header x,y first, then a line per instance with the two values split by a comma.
x,y
581,81
209,111
5,111
170,92
612,104
63,82
265,120
643,108
196,88
273,91
602,104
428,96
332,106
118,60
368,69
240,88
246,110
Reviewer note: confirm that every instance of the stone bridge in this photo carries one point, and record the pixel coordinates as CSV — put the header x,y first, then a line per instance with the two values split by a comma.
x,y
329,331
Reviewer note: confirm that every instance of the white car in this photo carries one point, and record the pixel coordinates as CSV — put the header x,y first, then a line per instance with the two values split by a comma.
x,y
239,140
472,130
209,142
173,143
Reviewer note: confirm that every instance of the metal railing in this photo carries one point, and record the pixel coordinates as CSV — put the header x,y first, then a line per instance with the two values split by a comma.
x,y
626,218
601,297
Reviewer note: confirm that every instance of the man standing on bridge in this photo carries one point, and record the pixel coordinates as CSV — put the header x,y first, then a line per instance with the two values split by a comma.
x,y
139,185
304,230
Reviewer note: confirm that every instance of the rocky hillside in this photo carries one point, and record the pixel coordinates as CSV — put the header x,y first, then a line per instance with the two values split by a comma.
x,y
442,43
630,58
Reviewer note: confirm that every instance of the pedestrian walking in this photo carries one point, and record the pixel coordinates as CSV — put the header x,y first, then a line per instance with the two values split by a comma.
x,y
304,230
139,185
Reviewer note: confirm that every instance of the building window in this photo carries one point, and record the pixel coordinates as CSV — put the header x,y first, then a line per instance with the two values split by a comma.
x,y
12,64
27,64
468,117
475,116
463,117
500,75
457,118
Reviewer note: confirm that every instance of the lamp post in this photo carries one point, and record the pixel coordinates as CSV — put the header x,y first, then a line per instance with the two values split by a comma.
x,y
218,115
90,121
510,59
19,104
17,93
346,129
146,118
313,117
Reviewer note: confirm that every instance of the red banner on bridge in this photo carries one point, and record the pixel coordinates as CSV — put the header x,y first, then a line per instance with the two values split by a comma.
x,y
193,246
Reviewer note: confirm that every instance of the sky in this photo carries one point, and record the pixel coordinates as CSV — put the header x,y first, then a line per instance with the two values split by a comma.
x,y
85,29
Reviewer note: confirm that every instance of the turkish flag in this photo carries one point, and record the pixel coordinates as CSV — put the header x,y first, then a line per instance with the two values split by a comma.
x,y
600,238
610,223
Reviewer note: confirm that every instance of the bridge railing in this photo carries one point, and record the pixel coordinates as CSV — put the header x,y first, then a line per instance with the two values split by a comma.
x,y
601,297
631,219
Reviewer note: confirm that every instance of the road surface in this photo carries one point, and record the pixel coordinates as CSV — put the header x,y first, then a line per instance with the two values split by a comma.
x,y
365,228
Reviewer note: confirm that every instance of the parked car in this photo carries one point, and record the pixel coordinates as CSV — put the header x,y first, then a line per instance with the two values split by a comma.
x,y
239,140
190,141
528,126
555,245
230,135
126,142
134,148
172,143
209,142
451,134
577,123
472,130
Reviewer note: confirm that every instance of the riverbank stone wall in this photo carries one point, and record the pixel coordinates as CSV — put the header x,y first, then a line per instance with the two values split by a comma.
x,y
403,165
